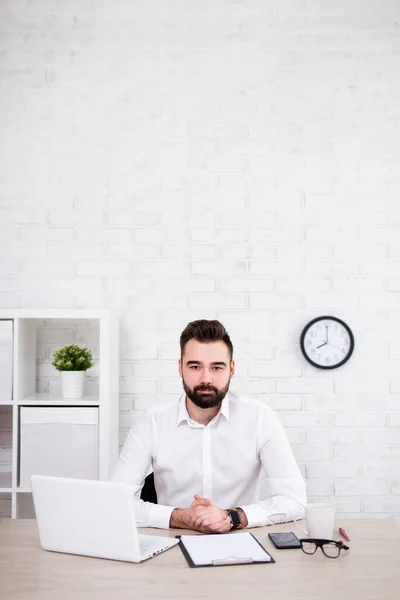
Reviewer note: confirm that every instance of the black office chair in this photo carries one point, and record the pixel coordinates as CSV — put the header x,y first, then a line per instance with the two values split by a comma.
x,y
148,493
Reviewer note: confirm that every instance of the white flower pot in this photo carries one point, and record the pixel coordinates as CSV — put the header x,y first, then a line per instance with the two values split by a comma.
x,y
72,384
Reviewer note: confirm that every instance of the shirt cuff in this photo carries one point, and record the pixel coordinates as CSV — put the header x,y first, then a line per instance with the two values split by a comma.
x,y
255,515
160,516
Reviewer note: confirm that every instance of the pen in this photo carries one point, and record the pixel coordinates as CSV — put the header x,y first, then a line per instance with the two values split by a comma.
x,y
344,534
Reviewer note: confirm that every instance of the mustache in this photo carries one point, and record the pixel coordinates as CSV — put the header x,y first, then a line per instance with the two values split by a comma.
x,y
205,388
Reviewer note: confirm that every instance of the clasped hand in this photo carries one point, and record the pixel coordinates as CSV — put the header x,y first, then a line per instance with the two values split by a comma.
x,y
207,517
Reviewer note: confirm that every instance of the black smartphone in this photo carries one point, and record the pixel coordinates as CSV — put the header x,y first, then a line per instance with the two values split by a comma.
x,y
284,540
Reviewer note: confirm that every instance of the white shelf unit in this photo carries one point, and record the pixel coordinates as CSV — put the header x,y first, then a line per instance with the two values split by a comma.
x,y
104,393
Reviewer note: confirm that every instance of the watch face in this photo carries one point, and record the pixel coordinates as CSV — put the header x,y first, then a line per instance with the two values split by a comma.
x,y
327,342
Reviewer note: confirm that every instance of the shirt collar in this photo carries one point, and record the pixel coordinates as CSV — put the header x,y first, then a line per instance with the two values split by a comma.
x,y
183,414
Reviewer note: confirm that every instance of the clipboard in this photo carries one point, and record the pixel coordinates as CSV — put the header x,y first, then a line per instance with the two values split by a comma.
x,y
223,549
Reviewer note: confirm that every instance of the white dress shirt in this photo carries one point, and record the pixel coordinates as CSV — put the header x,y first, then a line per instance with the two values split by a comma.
x,y
221,461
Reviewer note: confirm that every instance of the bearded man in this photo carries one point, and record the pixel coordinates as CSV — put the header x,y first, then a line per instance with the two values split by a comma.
x,y
208,449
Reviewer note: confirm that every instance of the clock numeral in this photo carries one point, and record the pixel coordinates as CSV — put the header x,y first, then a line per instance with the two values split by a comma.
x,y
336,356
313,334
313,350
328,360
309,342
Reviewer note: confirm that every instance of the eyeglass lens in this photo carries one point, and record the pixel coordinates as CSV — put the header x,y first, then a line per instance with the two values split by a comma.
x,y
330,550
309,547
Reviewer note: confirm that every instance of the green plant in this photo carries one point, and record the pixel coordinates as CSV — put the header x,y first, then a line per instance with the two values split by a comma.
x,y
72,358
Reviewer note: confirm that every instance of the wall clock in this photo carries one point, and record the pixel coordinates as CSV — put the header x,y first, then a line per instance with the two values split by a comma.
x,y
327,342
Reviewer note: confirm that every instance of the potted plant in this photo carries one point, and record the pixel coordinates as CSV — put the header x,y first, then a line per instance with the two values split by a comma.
x,y
73,362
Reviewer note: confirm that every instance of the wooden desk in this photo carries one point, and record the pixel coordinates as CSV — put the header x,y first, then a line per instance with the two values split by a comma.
x,y
369,571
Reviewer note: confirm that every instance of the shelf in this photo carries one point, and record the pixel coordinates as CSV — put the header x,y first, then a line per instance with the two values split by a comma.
x,y
49,400
36,334
57,313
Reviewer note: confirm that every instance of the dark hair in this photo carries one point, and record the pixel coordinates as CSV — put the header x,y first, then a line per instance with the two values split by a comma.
x,y
205,332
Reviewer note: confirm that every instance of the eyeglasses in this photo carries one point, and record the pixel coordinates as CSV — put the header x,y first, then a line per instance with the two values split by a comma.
x,y
330,548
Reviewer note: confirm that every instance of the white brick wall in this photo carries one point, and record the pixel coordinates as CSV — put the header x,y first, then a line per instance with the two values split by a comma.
x,y
232,159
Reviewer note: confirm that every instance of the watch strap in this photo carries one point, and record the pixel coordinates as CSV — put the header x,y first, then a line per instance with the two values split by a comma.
x,y
234,517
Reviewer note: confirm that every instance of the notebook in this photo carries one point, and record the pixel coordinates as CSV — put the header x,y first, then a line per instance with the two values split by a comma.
x,y
91,518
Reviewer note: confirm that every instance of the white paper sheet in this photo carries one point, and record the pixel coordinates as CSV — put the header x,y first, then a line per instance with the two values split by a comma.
x,y
224,548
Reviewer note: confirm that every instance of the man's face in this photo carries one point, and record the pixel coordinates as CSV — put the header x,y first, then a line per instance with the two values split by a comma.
x,y
206,371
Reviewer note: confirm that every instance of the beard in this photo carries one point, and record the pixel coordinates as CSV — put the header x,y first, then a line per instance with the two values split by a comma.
x,y
206,400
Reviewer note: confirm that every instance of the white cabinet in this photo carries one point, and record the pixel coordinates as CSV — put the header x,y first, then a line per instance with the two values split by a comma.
x,y
39,430
70,432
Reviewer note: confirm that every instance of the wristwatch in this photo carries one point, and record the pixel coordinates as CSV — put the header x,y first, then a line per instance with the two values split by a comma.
x,y
234,517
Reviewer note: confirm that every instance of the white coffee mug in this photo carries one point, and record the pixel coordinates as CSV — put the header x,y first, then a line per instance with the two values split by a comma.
x,y
320,520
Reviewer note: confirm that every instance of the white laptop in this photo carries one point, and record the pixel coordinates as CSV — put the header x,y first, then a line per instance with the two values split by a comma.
x,y
92,518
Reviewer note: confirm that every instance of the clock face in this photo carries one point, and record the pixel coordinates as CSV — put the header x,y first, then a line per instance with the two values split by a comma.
x,y
327,342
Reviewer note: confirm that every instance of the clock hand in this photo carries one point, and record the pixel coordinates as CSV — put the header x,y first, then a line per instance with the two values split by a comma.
x,y
327,333
338,347
324,344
